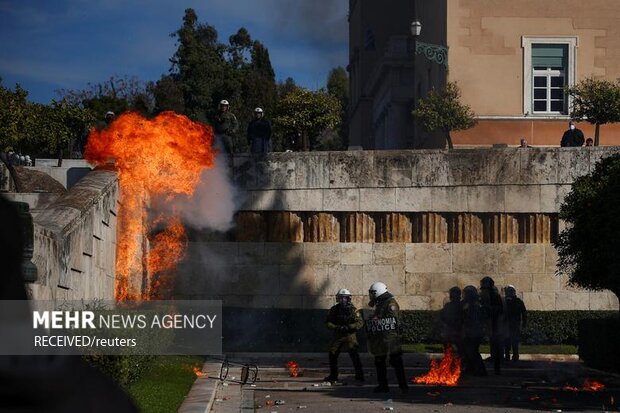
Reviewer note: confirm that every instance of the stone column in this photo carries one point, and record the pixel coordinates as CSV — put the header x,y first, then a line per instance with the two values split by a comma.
x,y
393,227
321,227
250,227
501,228
465,227
358,227
284,226
430,227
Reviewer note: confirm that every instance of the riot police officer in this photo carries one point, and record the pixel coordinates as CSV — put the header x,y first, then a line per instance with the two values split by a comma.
x,y
344,319
383,329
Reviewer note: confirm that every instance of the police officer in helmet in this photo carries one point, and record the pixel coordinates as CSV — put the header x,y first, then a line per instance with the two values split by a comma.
x,y
383,329
344,320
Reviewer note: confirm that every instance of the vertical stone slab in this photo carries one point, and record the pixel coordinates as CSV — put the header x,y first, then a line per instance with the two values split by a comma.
x,y
430,227
321,227
250,226
394,227
465,228
284,227
358,227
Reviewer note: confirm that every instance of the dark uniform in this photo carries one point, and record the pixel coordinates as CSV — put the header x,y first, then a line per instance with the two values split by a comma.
x,y
259,135
383,329
572,137
451,316
492,303
226,125
474,318
344,320
515,318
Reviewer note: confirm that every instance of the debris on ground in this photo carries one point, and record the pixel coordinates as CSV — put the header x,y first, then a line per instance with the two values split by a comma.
x,y
279,402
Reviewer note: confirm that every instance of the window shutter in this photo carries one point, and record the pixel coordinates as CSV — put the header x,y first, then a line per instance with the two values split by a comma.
x,y
549,55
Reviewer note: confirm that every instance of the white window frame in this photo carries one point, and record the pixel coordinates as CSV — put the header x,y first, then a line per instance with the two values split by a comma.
x,y
528,87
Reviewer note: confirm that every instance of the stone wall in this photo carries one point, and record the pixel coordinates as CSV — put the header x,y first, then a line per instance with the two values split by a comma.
x,y
306,199
75,241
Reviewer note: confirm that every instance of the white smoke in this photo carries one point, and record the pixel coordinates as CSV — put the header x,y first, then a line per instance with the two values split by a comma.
x,y
215,200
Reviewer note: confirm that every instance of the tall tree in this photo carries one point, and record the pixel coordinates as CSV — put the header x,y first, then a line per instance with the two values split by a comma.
x,y
167,95
338,86
198,66
15,125
303,115
597,102
587,248
444,111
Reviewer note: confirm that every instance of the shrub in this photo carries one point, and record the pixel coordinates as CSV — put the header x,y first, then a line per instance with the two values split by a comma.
x,y
599,342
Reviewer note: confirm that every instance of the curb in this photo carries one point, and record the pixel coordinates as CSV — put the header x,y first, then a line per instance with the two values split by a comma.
x,y
202,394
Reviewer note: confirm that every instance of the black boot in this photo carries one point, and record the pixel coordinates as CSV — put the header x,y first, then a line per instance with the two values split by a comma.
x,y
381,366
357,364
333,368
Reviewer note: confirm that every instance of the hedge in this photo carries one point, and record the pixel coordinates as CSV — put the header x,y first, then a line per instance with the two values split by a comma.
x,y
599,341
543,327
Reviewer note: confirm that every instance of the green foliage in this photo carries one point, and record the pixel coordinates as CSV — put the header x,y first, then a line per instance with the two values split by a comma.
x,y
599,342
121,368
303,115
596,101
444,111
165,384
338,86
587,248
544,327
15,120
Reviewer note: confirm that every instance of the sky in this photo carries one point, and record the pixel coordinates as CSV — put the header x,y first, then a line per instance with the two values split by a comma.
x,y
47,45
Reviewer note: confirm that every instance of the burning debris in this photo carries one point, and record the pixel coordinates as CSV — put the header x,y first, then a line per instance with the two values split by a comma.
x,y
588,385
293,368
198,372
445,372
157,160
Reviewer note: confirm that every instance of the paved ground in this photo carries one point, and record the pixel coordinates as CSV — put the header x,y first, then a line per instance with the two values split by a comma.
x,y
530,385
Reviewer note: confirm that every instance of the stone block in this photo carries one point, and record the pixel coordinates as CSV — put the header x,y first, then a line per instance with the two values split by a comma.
x,y
504,165
356,253
340,199
303,200
438,300
573,163
467,167
321,253
449,199
378,199
537,301
600,152
244,171
251,253
413,199
288,301
431,169
345,276
565,286
418,283
605,301
545,282
253,280
276,171
521,198
391,275
485,199
388,253
283,253
549,199
441,283
572,301
264,200
312,170
551,259
521,258
521,282
428,258
393,169
476,258
414,302
539,166
317,302
353,169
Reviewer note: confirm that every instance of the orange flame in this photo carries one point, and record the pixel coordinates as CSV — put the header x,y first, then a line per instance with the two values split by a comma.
x,y
198,372
156,159
445,372
293,368
592,385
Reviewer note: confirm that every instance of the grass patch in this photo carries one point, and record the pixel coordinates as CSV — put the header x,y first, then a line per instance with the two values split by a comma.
x,y
523,349
164,385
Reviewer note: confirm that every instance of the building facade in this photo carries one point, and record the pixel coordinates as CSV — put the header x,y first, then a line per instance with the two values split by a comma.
x,y
511,60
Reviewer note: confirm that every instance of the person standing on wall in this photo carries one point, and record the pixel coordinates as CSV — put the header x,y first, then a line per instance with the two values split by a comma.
x,y
572,136
384,338
226,125
344,320
259,133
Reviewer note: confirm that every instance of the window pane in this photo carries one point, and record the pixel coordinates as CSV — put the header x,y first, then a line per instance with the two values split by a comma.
x,y
540,93
557,94
557,82
557,105
540,106
540,81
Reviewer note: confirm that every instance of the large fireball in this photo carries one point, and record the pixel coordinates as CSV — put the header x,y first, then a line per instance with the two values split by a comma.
x,y
157,160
